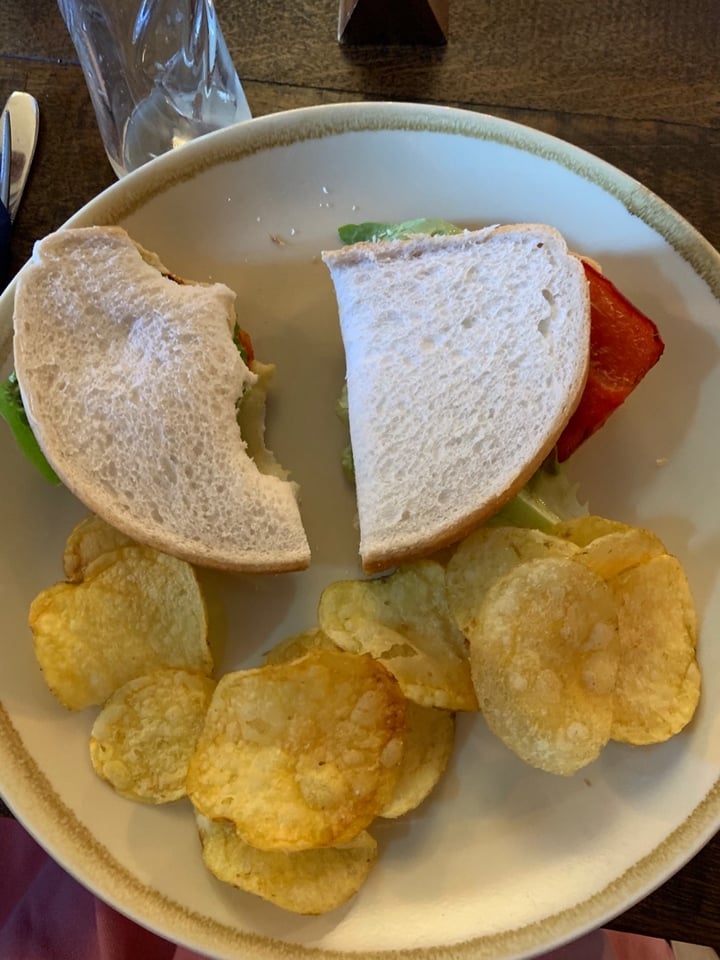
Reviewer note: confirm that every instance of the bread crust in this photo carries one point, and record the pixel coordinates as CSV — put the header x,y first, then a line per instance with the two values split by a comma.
x,y
378,563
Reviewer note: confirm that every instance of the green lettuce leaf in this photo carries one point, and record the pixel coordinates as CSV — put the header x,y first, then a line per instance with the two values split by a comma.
x,y
371,232
547,498
13,413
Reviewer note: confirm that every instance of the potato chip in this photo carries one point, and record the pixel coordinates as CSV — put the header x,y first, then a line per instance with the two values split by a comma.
x,y
658,684
298,645
403,620
583,530
609,546
608,555
488,554
143,738
429,732
429,740
301,754
544,657
135,611
88,540
304,881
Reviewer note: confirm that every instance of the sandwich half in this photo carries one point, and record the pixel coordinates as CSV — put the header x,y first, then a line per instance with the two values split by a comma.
x,y
130,379
466,356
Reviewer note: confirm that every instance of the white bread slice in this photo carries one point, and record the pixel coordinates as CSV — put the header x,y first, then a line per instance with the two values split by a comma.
x,y
466,355
129,379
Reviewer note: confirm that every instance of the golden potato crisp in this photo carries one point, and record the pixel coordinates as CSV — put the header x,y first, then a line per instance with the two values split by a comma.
x,y
135,611
487,554
544,657
429,732
583,530
142,739
429,740
88,540
301,754
306,881
403,620
658,684
297,646
611,553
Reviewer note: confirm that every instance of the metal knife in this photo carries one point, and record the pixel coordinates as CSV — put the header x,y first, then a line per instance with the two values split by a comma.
x,y
19,123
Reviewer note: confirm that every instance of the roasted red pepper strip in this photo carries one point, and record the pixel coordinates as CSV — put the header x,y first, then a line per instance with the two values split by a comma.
x,y
244,344
624,345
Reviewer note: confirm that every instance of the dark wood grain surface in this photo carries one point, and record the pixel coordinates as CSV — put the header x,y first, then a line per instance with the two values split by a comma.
x,y
636,82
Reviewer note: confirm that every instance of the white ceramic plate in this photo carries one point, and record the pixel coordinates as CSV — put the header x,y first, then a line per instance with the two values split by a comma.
x,y
503,861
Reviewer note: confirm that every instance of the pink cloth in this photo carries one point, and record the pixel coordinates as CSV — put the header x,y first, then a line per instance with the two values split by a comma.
x,y
47,915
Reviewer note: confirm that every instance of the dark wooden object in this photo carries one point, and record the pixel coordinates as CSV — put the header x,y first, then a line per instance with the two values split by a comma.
x,y
637,84
393,21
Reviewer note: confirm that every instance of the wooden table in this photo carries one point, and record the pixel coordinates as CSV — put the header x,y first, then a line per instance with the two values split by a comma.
x,y
637,83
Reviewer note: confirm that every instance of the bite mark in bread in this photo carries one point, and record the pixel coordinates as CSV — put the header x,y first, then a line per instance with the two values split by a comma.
x,y
130,380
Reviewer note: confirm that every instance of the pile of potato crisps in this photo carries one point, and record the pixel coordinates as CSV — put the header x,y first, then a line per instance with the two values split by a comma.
x,y
576,637
563,641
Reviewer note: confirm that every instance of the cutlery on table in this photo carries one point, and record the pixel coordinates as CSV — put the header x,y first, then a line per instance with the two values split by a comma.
x,y
18,137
